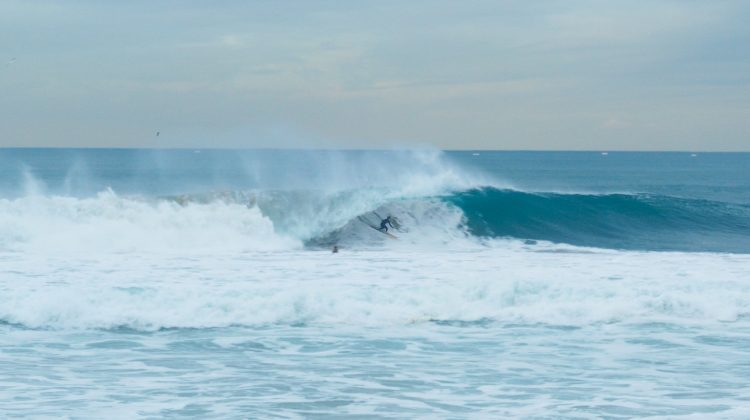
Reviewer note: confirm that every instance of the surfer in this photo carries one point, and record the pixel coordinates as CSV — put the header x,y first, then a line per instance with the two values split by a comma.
x,y
385,223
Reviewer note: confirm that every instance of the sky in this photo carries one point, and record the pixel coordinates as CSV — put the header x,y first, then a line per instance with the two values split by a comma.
x,y
504,75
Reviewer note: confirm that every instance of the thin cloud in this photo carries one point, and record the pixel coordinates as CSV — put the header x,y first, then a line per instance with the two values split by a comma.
x,y
485,74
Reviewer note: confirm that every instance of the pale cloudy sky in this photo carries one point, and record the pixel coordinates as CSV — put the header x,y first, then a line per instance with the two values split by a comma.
x,y
568,74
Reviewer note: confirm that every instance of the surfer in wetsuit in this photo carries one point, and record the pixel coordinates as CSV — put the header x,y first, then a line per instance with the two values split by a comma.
x,y
385,223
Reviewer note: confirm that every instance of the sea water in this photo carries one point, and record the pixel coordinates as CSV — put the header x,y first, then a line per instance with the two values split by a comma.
x,y
201,283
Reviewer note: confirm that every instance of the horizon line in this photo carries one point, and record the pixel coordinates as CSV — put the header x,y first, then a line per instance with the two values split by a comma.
x,y
309,149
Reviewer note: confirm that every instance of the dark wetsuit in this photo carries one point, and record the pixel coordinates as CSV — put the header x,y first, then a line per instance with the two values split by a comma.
x,y
384,222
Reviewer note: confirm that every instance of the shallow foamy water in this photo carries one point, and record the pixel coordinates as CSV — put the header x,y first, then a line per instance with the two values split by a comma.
x,y
502,330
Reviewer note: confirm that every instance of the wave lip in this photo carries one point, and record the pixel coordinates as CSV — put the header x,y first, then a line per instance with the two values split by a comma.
x,y
618,221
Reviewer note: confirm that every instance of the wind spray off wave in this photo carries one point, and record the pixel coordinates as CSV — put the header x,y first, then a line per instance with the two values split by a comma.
x,y
440,214
296,213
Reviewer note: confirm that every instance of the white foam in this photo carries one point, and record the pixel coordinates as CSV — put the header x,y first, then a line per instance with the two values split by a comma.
x,y
109,223
513,285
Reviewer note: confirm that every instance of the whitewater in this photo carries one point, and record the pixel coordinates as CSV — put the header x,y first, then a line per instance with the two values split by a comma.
x,y
201,283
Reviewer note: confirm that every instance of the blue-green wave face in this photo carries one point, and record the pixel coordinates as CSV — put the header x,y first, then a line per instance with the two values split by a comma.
x,y
621,221
150,199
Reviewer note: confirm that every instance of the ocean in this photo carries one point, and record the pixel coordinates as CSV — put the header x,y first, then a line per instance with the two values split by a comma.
x,y
202,284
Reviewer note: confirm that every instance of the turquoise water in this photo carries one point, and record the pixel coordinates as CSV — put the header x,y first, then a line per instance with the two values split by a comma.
x,y
201,284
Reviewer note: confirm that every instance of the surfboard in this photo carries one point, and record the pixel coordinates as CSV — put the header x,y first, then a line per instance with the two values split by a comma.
x,y
363,220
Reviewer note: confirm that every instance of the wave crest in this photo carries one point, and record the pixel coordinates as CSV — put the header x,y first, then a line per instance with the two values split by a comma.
x,y
620,221
290,219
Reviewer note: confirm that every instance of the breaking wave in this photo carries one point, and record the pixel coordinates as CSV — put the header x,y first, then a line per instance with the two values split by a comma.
x,y
276,220
301,200
620,221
